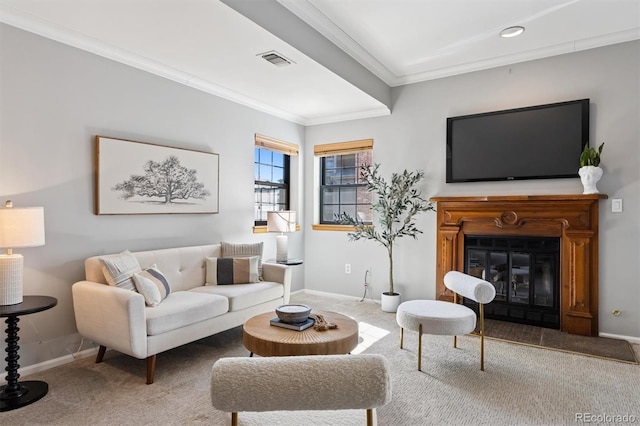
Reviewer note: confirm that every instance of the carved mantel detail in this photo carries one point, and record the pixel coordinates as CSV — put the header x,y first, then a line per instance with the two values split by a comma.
x,y
572,218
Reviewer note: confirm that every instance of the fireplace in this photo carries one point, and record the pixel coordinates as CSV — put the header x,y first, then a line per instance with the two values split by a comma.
x,y
571,220
524,272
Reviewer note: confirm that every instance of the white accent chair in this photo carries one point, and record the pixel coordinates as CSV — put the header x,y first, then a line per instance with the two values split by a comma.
x,y
294,383
445,318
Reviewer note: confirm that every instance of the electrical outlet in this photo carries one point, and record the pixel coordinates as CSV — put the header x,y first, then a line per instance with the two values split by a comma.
x,y
347,268
616,205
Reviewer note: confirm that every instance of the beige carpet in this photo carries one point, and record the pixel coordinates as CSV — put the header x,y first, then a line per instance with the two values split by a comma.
x,y
522,385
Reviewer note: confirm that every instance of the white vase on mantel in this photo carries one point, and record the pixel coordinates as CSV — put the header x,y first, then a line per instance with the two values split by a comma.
x,y
389,302
589,176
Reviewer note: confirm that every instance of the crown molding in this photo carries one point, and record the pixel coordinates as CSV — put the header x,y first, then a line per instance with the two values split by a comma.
x,y
321,23
27,22
559,49
370,113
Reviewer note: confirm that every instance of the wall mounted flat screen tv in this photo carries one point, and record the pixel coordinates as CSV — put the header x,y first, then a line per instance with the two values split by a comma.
x,y
537,142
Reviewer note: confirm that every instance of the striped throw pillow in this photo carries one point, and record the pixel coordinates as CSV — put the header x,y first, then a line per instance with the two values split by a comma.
x,y
243,250
152,284
118,269
223,271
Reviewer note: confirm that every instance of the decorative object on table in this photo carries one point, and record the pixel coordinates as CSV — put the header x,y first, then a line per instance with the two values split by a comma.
x,y
590,171
143,178
293,313
281,221
19,227
397,204
298,326
322,324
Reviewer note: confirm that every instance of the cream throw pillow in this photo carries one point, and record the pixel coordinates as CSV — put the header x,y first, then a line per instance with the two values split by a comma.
x,y
118,269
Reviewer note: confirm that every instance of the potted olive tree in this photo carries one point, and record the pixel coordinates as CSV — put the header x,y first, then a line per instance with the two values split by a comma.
x,y
590,171
396,204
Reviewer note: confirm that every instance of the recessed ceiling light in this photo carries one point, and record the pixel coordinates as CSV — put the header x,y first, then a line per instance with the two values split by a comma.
x,y
512,31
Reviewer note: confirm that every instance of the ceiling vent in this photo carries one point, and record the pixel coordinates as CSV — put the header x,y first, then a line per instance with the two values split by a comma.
x,y
276,58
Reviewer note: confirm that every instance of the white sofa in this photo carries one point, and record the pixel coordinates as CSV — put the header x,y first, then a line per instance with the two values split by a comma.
x,y
119,319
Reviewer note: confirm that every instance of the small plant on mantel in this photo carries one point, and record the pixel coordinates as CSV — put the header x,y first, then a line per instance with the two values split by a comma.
x,y
396,203
590,171
591,157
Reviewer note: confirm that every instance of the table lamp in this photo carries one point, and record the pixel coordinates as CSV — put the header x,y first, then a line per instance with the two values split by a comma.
x,y
22,227
281,221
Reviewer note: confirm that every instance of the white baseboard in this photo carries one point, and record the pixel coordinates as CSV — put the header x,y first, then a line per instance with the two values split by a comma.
x,y
343,296
630,339
52,363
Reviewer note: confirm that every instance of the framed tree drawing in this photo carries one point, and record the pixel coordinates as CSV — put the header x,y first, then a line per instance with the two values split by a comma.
x,y
142,178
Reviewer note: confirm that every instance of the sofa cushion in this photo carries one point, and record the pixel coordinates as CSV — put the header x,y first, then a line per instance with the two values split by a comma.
x,y
183,308
119,268
222,271
152,284
243,250
242,296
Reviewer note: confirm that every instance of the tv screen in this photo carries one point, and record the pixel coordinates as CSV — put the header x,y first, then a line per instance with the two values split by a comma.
x,y
537,142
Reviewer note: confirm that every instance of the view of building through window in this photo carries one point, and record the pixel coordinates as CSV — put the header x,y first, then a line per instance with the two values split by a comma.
x,y
271,188
342,189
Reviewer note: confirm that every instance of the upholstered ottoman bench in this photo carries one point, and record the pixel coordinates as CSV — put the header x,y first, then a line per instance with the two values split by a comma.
x,y
445,318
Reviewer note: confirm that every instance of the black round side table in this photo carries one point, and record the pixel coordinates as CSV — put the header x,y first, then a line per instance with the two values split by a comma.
x,y
18,394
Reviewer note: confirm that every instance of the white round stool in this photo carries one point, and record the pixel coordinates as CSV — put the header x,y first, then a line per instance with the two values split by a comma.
x,y
434,317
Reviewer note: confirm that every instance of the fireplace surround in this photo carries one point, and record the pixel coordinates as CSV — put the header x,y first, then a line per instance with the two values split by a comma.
x,y
571,218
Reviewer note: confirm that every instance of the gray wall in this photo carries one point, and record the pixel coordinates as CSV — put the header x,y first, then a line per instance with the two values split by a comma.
x,y
413,137
54,100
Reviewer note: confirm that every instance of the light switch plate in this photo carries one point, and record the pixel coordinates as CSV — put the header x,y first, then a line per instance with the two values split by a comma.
x,y
616,205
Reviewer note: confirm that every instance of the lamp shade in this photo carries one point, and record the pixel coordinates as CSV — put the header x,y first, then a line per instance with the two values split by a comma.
x,y
23,227
281,221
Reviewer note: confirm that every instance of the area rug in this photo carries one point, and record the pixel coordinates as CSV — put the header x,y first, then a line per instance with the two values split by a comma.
x,y
521,385
599,347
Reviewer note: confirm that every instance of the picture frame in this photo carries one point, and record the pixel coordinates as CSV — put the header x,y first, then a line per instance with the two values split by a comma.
x,y
134,177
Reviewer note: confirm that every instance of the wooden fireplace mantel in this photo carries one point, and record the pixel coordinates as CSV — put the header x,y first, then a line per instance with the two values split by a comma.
x,y
573,218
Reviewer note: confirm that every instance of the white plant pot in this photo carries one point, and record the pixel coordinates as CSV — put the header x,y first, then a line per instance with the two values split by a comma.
x,y
389,303
589,176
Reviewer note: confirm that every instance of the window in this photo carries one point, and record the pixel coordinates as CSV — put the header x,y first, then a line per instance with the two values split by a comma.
x,y
271,176
341,187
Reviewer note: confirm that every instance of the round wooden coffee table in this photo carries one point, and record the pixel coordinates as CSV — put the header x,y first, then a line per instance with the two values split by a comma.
x,y
264,339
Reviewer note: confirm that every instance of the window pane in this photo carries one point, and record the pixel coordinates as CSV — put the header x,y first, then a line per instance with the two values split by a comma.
x,y
330,162
365,214
278,159
364,196
278,175
347,196
331,195
348,160
281,198
265,173
349,209
329,213
342,189
332,177
348,176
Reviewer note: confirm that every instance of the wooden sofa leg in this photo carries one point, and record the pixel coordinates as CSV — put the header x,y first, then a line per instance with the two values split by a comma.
x,y
151,368
101,351
369,416
234,419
